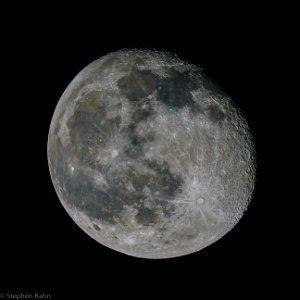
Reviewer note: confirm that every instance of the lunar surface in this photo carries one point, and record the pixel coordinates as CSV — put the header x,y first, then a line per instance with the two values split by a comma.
x,y
148,156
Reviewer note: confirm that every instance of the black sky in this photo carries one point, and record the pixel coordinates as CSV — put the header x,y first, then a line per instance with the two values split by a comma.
x,y
42,249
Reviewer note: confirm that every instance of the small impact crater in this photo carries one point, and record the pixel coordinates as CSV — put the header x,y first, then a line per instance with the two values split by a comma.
x,y
96,227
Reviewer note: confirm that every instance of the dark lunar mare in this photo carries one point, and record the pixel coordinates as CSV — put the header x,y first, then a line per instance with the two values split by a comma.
x,y
87,132
107,205
137,85
175,92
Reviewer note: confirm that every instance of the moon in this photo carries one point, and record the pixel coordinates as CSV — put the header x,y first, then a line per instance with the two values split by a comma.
x,y
149,156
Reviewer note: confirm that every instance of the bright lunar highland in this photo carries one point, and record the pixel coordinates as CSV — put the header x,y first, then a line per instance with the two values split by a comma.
x,y
148,156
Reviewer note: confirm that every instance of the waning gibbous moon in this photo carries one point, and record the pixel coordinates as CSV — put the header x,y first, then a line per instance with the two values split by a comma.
x,y
148,156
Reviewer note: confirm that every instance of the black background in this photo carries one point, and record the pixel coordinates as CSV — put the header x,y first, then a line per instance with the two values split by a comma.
x,y
42,249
